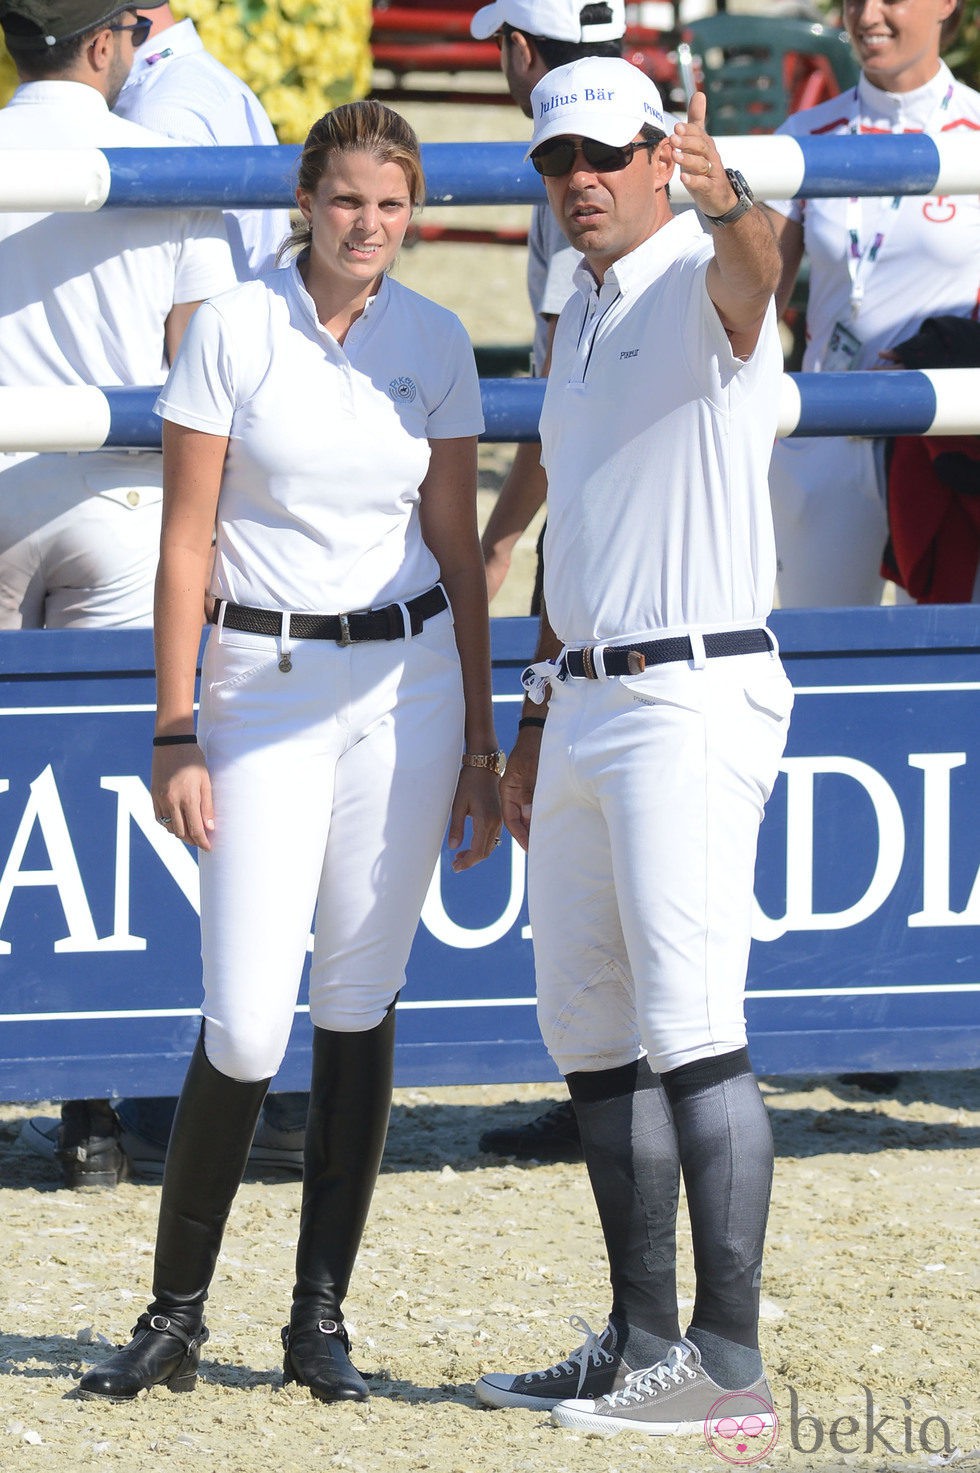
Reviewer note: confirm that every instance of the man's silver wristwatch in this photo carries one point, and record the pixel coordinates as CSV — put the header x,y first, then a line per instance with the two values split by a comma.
x,y
744,202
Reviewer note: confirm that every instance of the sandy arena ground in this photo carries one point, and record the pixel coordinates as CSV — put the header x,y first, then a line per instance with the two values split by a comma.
x,y
471,1263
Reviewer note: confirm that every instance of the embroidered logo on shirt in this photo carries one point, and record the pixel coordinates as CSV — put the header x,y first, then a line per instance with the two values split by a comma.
x,y
630,353
402,390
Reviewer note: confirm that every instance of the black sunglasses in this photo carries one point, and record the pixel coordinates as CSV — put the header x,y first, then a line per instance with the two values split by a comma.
x,y
140,28
557,157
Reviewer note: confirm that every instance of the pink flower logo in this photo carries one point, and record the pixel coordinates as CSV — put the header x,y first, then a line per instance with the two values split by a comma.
x,y
738,1433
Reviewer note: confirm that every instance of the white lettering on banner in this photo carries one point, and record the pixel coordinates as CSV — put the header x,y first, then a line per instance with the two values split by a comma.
x,y
44,812
44,808
435,919
935,911
135,806
800,915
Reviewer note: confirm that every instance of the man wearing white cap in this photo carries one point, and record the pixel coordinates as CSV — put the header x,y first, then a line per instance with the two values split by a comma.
x,y
534,37
656,716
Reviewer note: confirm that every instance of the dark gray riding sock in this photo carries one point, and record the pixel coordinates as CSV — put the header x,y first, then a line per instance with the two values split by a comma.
x,y
631,1154
725,1144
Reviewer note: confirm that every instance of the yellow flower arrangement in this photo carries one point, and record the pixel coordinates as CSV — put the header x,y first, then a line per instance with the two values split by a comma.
x,y
301,57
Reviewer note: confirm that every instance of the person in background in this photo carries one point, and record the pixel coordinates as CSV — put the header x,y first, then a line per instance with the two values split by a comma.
x,y
79,534
331,746
878,268
534,37
178,88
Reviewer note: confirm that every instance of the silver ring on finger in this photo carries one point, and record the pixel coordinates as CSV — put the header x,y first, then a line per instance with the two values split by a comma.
x,y
711,164
496,841
165,821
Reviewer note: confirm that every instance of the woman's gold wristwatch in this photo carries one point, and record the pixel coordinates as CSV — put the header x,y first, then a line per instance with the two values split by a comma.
x,y
493,761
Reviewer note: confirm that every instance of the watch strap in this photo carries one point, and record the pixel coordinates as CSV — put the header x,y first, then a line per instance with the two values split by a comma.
x,y
742,205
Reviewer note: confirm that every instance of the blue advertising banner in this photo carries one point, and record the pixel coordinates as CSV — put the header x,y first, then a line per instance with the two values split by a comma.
x,y
865,951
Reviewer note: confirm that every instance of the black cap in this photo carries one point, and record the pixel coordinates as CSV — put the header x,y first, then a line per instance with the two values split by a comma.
x,y
43,23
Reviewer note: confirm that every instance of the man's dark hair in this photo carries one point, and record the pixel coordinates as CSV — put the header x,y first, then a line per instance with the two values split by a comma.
x,y
654,135
560,53
34,62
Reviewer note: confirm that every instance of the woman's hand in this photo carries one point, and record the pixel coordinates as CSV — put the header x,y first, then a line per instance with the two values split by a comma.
x,y
477,798
181,791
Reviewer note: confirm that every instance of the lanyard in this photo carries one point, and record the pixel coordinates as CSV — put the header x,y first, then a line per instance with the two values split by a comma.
x,y
860,263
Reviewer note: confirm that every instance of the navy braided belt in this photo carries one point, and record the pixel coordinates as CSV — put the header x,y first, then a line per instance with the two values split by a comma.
x,y
634,659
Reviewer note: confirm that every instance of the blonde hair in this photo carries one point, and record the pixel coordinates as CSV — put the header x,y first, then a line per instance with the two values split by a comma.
x,y
356,127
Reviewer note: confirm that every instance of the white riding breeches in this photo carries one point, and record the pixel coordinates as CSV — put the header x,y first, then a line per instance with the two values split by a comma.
x,y
830,522
643,839
79,539
332,786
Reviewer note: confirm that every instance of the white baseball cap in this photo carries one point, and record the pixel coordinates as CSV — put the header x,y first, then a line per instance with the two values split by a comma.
x,y
599,97
556,20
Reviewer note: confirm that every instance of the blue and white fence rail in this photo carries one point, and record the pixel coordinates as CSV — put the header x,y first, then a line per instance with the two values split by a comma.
x,y
896,402
468,173
867,915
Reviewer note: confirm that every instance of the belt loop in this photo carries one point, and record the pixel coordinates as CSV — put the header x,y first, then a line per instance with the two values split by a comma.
x,y
598,661
407,627
773,644
219,623
698,656
285,645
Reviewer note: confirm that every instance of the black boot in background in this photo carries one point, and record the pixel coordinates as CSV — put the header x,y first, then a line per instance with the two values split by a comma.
x,y
88,1145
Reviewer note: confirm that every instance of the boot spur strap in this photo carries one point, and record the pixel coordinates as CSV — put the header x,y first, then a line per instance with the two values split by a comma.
x,y
331,1328
162,1325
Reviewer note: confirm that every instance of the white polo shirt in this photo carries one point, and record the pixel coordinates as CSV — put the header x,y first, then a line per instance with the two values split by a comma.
x,y
178,88
656,440
319,503
929,260
84,296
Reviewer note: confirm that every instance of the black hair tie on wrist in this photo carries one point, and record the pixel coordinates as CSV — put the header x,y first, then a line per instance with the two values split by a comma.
x,y
174,741
530,721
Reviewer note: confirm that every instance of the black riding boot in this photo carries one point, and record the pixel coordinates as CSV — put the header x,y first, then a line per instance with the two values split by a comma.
x,y
209,1144
350,1100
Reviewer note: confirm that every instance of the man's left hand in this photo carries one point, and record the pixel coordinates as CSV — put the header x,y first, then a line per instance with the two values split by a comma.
x,y
701,170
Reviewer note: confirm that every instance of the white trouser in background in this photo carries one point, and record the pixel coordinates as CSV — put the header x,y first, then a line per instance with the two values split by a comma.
x,y
644,829
332,787
79,539
830,522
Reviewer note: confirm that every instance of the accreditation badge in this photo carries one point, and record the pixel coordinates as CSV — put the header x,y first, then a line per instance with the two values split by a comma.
x,y
842,349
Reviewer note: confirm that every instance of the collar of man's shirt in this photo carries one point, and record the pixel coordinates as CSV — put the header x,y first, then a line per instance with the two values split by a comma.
x,y
177,40
648,260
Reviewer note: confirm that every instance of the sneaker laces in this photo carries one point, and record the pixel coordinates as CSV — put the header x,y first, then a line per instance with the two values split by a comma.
x,y
671,1371
591,1353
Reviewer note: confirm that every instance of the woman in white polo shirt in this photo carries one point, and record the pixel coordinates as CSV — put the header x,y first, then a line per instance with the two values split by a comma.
x,y
324,419
878,268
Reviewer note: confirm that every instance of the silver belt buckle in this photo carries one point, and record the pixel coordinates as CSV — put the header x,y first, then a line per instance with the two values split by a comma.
x,y
345,638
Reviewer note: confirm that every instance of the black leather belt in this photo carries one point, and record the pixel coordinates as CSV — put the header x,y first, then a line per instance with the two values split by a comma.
x,y
344,629
634,659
